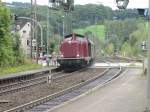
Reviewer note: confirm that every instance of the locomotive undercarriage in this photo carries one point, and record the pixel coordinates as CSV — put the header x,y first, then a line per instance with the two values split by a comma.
x,y
73,63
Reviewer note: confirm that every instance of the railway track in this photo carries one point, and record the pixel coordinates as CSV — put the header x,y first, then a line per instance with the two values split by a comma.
x,y
50,101
25,84
16,87
123,59
25,77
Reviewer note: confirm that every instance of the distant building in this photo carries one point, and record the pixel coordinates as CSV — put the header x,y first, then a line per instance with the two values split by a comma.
x,y
24,33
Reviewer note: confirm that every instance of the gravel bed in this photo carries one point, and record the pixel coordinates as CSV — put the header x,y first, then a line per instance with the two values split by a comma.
x,y
28,95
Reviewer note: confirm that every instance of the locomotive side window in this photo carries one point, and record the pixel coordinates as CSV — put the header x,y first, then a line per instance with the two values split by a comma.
x,y
89,48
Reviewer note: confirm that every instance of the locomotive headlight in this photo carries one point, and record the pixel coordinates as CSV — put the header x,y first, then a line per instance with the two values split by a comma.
x,y
62,56
78,55
69,42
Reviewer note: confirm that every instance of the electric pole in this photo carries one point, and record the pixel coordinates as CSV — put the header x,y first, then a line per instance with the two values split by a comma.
x,y
34,28
47,38
31,30
63,20
35,33
122,4
148,68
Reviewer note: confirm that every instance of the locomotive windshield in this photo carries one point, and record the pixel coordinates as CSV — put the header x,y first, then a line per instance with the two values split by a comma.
x,y
71,35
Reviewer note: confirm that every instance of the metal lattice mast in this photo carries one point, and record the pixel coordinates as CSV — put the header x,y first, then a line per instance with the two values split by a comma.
x,y
47,38
34,13
31,34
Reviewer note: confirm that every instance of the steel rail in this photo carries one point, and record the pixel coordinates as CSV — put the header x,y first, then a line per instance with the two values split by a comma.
x,y
26,81
9,89
2,88
50,97
25,84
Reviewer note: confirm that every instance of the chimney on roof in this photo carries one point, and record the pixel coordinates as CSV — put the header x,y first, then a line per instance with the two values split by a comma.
x,y
73,36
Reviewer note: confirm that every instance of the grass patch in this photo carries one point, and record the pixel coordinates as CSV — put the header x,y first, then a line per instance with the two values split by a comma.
x,y
99,30
19,68
132,64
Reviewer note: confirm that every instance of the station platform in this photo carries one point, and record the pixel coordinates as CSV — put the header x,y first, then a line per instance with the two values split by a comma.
x,y
127,93
20,74
123,64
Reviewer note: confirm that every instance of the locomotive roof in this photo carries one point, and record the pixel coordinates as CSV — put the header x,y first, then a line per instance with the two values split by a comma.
x,y
70,35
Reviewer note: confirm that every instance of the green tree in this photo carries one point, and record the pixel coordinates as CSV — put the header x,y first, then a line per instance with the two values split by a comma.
x,y
6,51
126,50
121,29
54,43
140,34
18,54
110,49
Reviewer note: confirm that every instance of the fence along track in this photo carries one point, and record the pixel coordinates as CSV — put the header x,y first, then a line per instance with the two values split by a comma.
x,y
43,100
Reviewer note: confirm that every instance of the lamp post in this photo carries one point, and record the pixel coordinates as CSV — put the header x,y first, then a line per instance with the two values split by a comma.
x,y
47,38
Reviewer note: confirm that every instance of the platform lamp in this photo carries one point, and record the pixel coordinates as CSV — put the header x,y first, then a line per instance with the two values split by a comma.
x,y
122,4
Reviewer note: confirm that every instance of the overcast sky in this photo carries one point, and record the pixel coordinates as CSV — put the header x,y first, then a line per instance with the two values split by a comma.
x,y
110,3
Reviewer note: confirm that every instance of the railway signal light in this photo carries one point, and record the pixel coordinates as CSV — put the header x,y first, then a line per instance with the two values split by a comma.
x,y
39,48
34,48
143,45
52,1
143,13
66,5
14,17
122,4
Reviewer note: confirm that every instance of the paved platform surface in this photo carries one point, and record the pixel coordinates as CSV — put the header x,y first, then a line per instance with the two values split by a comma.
x,y
126,65
8,76
126,94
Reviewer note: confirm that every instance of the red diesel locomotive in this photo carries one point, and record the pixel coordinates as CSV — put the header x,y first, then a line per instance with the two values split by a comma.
x,y
76,51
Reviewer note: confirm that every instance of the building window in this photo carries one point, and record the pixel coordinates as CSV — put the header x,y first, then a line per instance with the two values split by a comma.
x,y
28,43
24,31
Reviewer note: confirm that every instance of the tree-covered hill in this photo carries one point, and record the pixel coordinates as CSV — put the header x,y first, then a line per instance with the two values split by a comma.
x,y
81,16
97,30
114,27
126,36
